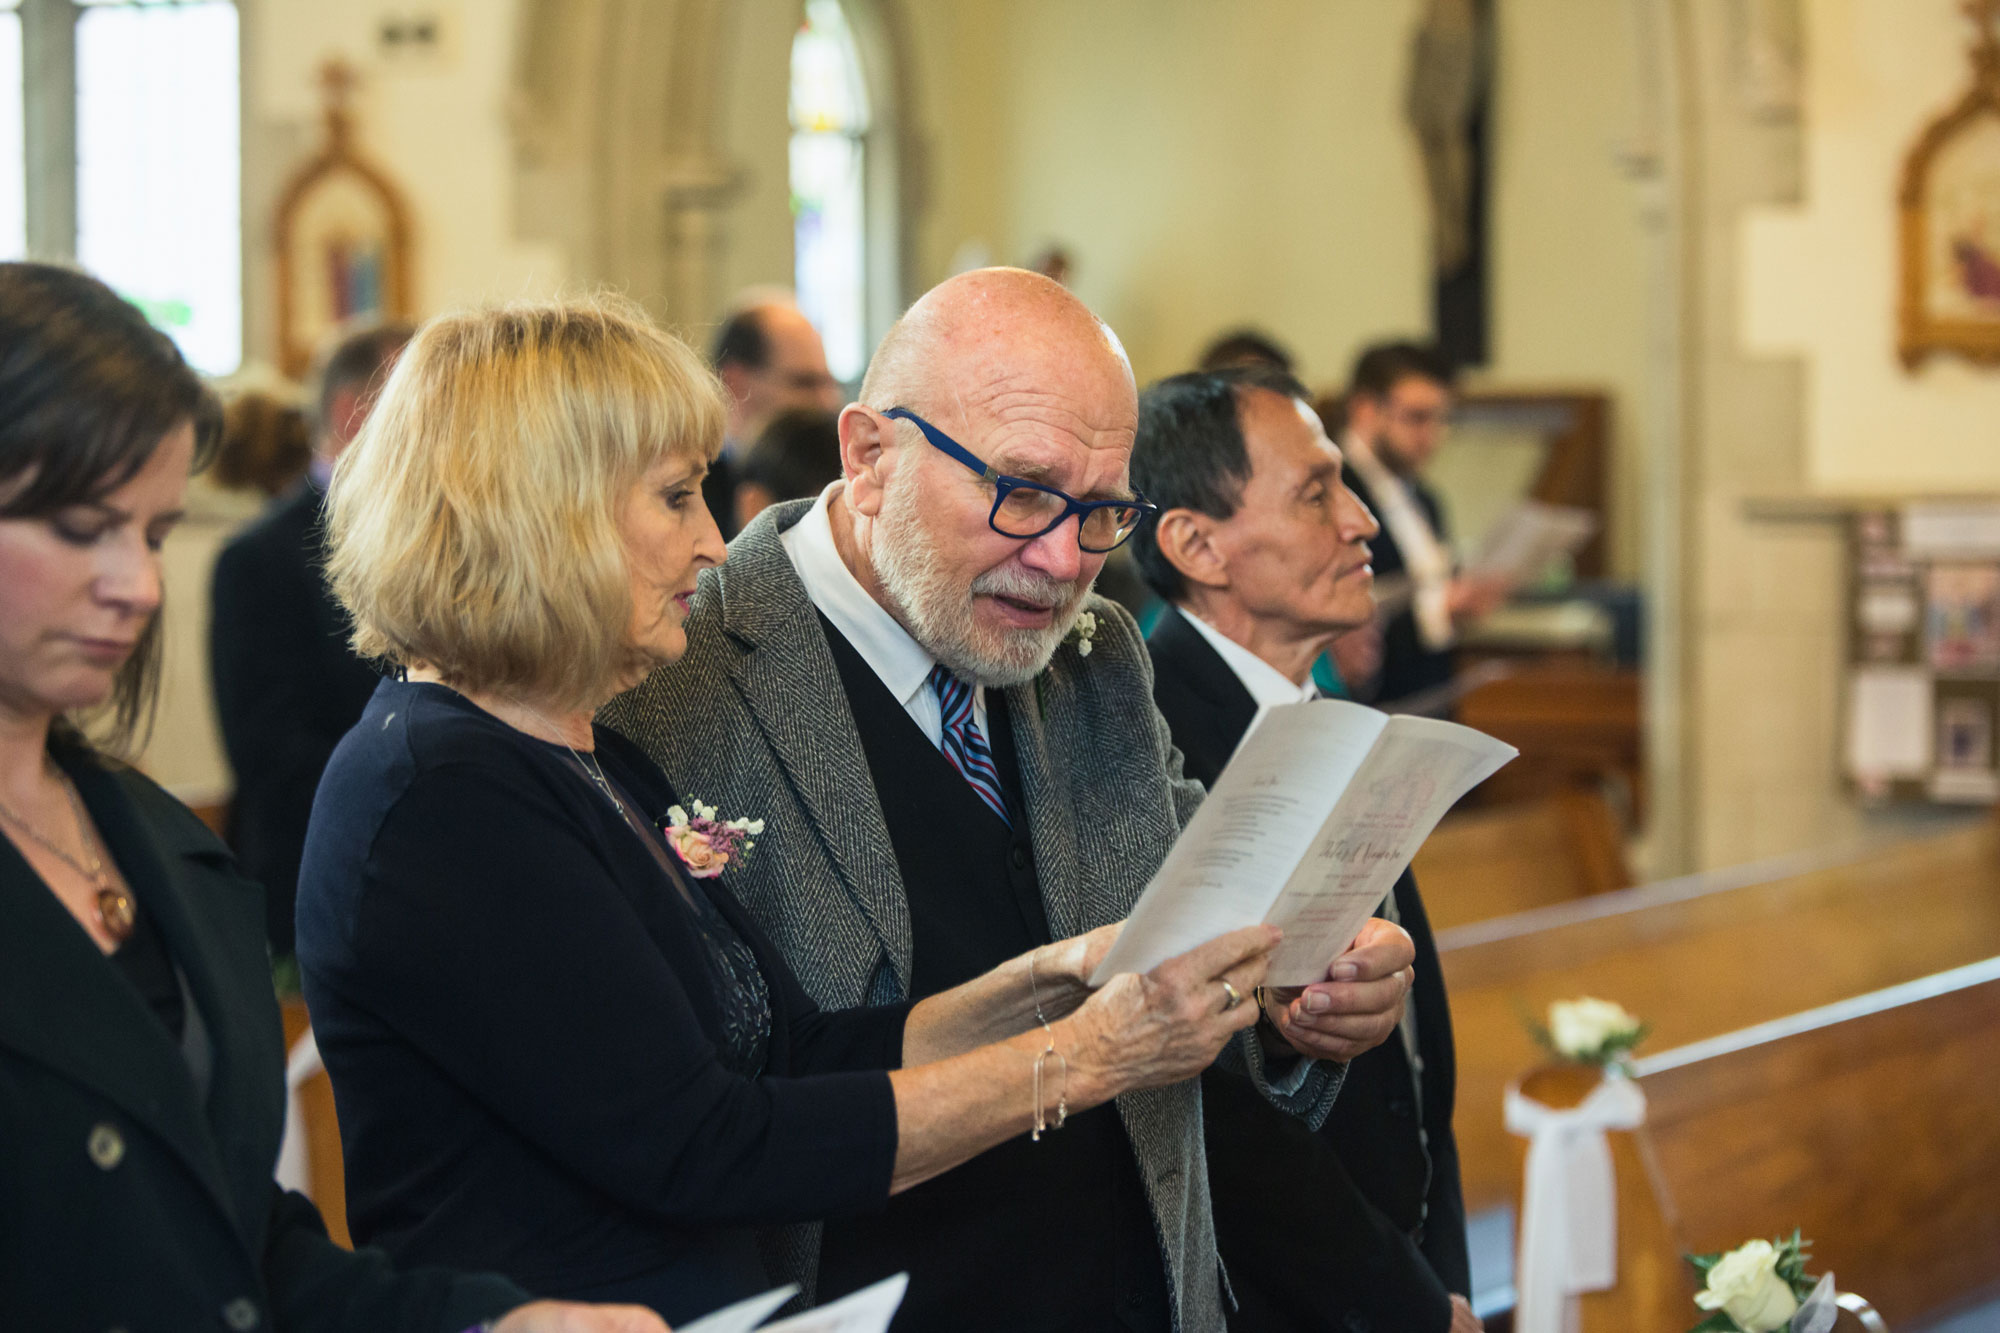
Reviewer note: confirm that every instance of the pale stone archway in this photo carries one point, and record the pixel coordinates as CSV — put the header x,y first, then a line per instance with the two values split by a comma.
x,y
635,153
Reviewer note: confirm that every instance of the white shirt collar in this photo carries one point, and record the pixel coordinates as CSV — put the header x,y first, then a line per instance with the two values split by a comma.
x,y
1267,685
901,663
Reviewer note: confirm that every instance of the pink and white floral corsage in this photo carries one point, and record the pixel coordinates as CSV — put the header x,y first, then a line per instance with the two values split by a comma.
x,y
706,845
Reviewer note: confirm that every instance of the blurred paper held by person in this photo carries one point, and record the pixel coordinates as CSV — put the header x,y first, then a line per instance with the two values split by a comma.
x,y
140,1047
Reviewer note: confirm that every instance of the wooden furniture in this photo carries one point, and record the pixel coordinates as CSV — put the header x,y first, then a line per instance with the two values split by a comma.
x,y
1868,1125
1707,955
1485,863
1576,724
1568,433
329,1179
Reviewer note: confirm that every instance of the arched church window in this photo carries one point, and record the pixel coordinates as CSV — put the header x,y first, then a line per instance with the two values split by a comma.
x,y
130,159
829,112
13,166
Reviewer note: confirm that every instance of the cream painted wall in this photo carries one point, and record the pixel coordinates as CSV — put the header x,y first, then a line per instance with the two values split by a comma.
x,y
1821,281
1214,165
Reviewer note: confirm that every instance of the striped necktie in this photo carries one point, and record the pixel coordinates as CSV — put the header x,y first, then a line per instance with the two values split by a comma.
x,y
962,743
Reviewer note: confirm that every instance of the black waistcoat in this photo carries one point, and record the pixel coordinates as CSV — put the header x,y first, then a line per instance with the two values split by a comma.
x,y
1027,1236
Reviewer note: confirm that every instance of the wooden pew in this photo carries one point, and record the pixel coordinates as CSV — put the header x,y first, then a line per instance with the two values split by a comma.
x,y
1870,1125
1484,863
329,1178
1707,955
1576,724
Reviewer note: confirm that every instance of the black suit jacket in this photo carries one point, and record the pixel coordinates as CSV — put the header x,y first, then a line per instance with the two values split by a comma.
x,y
1368,1229
1407,666
287,688
126,1200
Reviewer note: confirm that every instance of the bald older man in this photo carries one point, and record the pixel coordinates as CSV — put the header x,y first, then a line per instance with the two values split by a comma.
x,y
770,360
950,774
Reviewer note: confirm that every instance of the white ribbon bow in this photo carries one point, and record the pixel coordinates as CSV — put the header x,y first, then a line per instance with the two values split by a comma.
x,y
1569,1212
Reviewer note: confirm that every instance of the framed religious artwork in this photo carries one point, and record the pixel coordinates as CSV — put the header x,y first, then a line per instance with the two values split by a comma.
x,y
1950,202
343,238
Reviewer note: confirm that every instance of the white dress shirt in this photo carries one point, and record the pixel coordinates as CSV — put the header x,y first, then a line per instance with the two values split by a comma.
x,y
1425,560
1267,685
899,661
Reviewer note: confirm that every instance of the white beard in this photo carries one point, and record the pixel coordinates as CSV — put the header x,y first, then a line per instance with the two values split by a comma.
x,y
939,613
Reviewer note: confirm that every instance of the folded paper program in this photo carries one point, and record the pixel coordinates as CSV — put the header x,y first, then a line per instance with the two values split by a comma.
x,y
1319,810
1569,1209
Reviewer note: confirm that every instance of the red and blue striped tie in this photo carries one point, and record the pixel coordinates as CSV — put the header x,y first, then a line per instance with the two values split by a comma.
x,y
963,744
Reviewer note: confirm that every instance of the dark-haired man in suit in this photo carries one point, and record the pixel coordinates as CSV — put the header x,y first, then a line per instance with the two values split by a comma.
x,y
287,687
1261,551
1398,409
770,359
954,768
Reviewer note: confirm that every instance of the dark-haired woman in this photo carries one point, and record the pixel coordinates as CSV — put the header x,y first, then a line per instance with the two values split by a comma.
x,y
141,1062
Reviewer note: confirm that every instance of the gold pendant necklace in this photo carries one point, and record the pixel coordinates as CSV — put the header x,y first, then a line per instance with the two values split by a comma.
x,y
116,912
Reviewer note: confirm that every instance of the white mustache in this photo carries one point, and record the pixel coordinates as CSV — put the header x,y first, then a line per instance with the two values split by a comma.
x,y
1049,594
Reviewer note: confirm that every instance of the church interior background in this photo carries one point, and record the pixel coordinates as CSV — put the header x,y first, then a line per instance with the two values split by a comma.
x,y
1686,213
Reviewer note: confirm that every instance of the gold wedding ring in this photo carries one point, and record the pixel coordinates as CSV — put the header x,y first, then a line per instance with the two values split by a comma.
x,y
1232,996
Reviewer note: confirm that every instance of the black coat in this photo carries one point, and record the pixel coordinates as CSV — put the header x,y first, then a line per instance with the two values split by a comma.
x,y
1368,1231
125,1201
287,688
1407,666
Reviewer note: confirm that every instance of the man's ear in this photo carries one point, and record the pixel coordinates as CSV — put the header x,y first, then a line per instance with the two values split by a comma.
x,y
735,379
1186,539
865,456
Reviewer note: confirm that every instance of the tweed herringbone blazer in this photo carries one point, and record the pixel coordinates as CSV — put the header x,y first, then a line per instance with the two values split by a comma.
x,y
754,721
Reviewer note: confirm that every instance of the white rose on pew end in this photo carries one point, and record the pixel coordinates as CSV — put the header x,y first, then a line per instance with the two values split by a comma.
x,y
1744,1284
1580,1029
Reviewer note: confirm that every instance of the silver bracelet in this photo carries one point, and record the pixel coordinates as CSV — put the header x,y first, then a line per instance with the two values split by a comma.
x,y
1041,1060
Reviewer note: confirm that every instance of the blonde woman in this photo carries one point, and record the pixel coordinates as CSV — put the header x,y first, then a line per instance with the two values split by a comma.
x,y
558,1045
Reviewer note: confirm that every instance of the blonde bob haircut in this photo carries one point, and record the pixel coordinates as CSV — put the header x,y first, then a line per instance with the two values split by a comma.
x,y
473,523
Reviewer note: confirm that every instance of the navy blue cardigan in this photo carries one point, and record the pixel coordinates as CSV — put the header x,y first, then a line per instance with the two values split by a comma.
x,y
513,1003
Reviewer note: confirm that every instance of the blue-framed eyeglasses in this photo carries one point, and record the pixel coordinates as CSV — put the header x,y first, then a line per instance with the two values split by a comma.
x,y
1025,509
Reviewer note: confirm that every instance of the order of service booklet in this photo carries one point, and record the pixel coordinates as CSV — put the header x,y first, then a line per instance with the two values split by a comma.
x,y
1318,811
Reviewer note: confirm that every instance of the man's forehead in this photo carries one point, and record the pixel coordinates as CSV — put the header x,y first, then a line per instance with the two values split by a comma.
x,y
1096,411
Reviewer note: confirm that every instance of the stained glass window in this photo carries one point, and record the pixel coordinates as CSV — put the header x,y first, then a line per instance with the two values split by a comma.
x,y
829,110
158,143
13,158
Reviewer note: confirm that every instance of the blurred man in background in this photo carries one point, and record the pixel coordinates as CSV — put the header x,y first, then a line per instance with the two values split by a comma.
x,y
1398,409
287,687
770,360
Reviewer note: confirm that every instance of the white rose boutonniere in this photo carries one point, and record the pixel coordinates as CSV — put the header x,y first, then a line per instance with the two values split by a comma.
x,y
1591,1031
1083,632
1761,1286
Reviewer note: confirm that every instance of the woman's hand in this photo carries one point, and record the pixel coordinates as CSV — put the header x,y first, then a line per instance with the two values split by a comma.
x,y
570,1317
1170,1023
